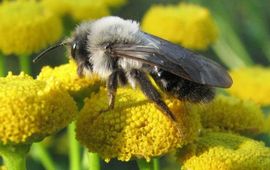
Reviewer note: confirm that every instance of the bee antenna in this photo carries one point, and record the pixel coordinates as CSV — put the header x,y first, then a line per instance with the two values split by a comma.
x,y
48,50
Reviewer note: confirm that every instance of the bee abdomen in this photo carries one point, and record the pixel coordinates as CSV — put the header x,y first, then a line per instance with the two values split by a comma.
x,y
181,88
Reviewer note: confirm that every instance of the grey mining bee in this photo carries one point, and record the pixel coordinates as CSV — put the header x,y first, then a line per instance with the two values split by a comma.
x,y
119,52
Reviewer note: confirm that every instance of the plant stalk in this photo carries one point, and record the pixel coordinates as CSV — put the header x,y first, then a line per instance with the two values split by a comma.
x,y
155,163
14,156
43,156
143,164
93,159
74,148
2,65
25,63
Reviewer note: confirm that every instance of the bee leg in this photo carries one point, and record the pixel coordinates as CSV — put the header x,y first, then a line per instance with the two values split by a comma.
x,y
122,79
112,84
150,91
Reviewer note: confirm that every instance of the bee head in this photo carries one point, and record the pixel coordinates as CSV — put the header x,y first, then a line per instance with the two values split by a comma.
x,y
78,47
79,51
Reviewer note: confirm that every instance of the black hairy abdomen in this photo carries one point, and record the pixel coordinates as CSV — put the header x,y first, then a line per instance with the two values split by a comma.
x,y
181,88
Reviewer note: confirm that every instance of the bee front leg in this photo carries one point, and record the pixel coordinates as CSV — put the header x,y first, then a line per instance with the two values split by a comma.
x,y
112,88
151,92
112,85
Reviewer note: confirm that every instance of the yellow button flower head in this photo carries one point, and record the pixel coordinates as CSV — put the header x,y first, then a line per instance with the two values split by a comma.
x,y
190,25
31,110
59,7
66,77
231,113
252,83
224,151
135,128
26,27
79,9
3,168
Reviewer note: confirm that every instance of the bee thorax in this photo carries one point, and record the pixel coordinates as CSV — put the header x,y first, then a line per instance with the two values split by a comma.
x,y
113,30
102,63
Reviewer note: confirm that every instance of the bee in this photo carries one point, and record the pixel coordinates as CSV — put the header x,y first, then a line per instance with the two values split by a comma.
x,y
120,53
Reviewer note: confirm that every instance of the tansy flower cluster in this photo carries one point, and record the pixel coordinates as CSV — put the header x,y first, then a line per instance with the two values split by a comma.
x,y
31,110
66,77
82,9
227,113
205,136
251,83
26,27
225,151
134,128
190,25
3,168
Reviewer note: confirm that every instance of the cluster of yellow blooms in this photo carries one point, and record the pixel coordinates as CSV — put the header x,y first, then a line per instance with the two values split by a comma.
x,y
225,151
251,83
75,85
231,114
82,9
190,25
3,168
31,109
79,10
28,26
25,27
133,128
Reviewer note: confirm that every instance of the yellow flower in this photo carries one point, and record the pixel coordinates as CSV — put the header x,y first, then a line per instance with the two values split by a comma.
x,y
79,10
26,27
3,168
190,25
31,110
232,114
59,7
135,128
224,151
252,83
66,77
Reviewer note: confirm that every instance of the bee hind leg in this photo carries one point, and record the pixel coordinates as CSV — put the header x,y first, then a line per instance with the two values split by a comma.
x,y
150,91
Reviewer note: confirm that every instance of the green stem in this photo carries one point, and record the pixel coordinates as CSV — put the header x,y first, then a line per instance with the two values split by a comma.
x,y
260,32
143,164
227,55
266,49
85,160
93,159
43,156
25,63
74,148
155,163
15,156
229,36
2,65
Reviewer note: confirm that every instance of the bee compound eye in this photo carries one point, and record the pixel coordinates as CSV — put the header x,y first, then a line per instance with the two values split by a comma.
x,y
74,46
73,50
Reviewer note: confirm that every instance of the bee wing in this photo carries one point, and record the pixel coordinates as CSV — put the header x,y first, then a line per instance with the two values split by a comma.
x,y
176,60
